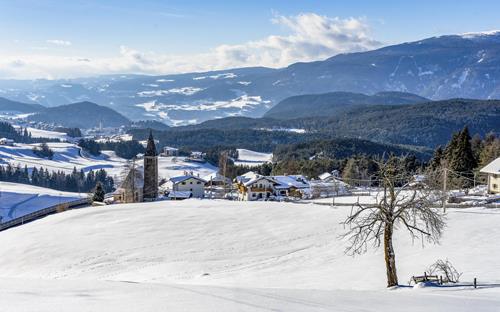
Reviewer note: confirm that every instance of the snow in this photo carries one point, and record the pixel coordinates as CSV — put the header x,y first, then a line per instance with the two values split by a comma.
x,y
17,200
183,91
214,255
493,167
66,157
39,133
251,158
169,167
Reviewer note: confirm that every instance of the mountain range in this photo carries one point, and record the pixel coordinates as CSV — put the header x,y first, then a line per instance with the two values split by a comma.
x,y
437,68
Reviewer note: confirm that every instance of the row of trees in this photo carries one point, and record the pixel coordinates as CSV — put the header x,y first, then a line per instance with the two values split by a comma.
x,y
76,181
464,156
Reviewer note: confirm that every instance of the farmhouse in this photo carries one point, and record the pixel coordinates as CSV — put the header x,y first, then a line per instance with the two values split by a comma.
x,y
252,186
291,185
493,172
169,151
189,184
6,142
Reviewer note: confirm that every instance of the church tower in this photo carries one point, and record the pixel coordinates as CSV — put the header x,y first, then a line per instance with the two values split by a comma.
x,y
150,170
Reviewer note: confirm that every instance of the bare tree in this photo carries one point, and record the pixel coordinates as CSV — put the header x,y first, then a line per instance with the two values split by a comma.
x,y
445,268
397,205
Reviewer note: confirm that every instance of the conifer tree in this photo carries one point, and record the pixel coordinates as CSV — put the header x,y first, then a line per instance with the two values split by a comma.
x,y
98,193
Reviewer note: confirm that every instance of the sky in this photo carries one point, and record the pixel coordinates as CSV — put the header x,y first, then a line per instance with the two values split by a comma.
x,y
67,39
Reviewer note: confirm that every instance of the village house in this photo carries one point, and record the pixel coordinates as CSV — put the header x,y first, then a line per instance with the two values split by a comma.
x,y
6,142
196,157
169,151
493,171
252,186
186,186
291,185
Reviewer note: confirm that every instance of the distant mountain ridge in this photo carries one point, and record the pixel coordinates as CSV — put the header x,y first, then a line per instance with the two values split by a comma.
x,y
81,115
331,104
437,68
14,106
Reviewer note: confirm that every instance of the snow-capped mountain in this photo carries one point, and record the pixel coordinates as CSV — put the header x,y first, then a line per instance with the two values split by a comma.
x,y
466,65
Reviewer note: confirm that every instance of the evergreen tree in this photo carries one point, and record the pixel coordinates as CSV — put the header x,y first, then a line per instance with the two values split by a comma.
x,y
98,193
437,159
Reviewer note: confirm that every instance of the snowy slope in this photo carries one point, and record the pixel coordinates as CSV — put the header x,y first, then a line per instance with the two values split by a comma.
x,y
252,158
17,200
39,133
242,256
175,166
66,157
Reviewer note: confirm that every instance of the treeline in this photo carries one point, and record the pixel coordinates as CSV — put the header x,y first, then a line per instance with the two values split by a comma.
x,y
71,132
464,156
77,181
21,135
123,149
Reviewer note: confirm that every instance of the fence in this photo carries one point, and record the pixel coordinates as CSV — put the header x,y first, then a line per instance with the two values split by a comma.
x,y
44,212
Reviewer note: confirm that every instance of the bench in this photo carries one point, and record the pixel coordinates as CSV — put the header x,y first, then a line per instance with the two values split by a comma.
x,y
426,278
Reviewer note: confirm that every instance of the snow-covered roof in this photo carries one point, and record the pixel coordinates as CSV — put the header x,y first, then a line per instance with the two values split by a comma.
x,y
324,176
182,178
492,167
170,148
258,178
297,181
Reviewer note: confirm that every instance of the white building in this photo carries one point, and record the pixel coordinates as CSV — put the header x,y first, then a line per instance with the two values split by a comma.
x,y
188,183
291,185
7,142
169,151
252,186
493,171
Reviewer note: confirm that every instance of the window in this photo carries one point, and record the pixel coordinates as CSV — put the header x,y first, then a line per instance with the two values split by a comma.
x,y
495,186
191,182
253,195
183,183
198,182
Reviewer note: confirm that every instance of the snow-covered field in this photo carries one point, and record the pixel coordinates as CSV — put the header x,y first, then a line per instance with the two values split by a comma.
x,y
39,133
208,255
17,200
175,166
68,156
251,158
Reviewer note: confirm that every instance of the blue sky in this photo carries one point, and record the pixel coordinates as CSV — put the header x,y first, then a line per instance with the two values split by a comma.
x,y
94,37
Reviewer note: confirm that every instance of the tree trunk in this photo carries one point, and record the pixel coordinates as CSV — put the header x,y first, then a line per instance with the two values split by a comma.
x,y
390,257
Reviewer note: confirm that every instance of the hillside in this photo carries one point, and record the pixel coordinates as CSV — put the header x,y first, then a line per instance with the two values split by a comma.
x,y
334,103
436,68
343,148
423,124
81,115
7,105
21,199
233,256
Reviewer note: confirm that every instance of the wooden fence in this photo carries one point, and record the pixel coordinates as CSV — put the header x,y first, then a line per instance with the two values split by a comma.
x,y
44,212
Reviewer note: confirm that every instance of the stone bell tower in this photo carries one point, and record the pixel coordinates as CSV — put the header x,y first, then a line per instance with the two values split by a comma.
x,y
150,191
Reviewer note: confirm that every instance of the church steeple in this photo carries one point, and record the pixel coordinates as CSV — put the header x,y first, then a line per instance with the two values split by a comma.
x,y
151,147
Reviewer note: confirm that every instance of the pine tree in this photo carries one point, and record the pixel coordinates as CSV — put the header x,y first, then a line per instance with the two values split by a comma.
x,y
98,193
437,159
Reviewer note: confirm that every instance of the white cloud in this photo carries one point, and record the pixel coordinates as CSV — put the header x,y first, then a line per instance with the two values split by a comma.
x,y
59,42
309,37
